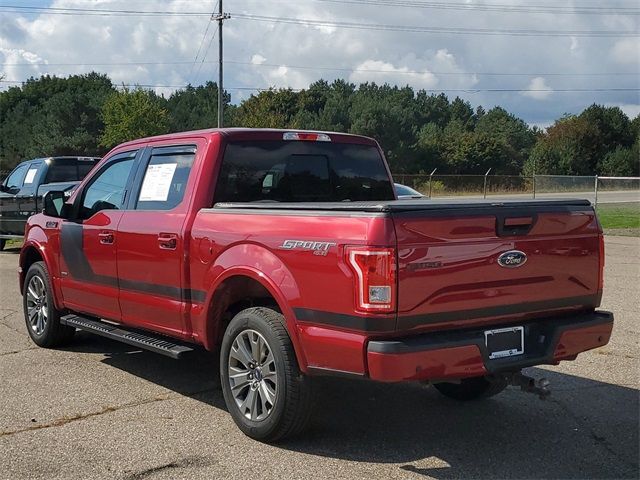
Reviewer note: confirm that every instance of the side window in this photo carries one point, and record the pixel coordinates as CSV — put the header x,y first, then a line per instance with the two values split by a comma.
x,y
16,179
165,178
107,190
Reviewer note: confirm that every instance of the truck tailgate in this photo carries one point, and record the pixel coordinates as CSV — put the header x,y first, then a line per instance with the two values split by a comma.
x,y
467,264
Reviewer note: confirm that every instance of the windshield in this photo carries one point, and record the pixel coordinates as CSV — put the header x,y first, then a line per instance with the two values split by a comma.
x,y
404,190
296,171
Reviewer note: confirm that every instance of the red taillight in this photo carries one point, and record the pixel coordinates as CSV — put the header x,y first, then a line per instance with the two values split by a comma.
x,y
374,269
601,261
305,136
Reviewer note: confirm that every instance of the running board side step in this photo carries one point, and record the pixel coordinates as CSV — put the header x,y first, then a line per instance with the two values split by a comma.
x,y
114,332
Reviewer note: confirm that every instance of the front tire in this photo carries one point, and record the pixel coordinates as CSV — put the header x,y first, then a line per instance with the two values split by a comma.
x,y
472,388
3,242
265,392
40,314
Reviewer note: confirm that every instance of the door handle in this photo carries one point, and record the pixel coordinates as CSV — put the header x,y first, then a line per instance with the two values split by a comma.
x,y
106,237
168,241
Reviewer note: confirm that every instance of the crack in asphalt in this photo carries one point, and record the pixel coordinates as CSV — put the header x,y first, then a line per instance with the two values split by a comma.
x,y
187,462
13,352
7,315
59,422
19,332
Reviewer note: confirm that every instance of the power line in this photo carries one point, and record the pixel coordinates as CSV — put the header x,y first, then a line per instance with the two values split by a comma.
x,y
424,72
430,90
490,7
494,7
326,68
440,30
201,43
336,24
97,11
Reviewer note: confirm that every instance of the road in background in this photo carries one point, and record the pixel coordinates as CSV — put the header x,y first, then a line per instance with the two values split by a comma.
x,y
100,409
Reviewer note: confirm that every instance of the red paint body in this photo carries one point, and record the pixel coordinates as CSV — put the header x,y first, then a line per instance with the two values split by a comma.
x,y
444,264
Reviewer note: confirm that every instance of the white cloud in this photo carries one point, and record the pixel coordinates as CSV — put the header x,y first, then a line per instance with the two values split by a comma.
x,y
465,63
574,44
627,52
538,89
632,110
383,72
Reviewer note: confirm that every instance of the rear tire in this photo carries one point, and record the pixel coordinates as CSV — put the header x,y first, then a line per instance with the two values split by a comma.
x,y
265,392
40,314
474,388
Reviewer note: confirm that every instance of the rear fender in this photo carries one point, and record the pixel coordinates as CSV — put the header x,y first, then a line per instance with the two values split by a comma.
x,y
263,266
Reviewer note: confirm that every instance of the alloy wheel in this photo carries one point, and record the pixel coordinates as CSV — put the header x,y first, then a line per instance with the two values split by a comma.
x,y
252,375
37,305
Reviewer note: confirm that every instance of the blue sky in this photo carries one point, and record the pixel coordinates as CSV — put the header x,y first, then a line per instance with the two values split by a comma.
x,y
580,52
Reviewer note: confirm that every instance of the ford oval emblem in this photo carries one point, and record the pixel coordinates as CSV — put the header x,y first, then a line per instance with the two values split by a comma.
x,y
512,259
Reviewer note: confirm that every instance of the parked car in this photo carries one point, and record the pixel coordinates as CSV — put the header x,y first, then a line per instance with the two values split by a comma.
x,y
22,190
289,255
406,193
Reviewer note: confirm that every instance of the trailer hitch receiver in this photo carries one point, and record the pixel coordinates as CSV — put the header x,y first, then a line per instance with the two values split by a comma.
x,y
528,384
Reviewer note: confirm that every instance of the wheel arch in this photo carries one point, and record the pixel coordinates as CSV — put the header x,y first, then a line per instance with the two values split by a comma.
x,y
36,249
245,276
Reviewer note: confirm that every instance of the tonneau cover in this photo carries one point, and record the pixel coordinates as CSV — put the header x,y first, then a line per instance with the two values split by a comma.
x,y
404,205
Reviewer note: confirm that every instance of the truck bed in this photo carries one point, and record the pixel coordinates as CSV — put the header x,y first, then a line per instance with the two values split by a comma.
x,y
448,269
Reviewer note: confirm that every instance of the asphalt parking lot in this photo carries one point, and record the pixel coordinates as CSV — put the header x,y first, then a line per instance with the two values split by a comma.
x,y
99,409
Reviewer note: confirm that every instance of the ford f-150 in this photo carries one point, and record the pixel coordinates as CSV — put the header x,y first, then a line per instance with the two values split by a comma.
x,y
288,253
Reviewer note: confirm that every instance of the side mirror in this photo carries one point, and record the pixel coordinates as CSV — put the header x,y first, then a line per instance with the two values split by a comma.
x,y
54,204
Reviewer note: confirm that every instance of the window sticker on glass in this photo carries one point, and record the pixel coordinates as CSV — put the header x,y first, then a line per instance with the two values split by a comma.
x,y
157,182
31,174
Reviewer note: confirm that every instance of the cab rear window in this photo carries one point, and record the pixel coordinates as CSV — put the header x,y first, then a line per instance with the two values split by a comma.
x,y
296,171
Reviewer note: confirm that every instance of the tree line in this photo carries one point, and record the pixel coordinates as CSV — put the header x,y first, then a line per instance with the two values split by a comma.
x,y
88,114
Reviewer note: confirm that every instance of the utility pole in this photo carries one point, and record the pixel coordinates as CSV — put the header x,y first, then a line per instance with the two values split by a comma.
x,y
221,17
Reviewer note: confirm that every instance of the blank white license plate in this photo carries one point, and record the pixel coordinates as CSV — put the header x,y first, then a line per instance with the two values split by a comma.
x,y
504,342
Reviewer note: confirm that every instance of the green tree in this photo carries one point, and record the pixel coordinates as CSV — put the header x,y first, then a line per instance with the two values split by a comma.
x,y
130,114
195,108
569,147
516,136
462,112
53,116
622,162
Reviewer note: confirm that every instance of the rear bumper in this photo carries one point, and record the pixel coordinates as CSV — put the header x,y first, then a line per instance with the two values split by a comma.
x,y
462,353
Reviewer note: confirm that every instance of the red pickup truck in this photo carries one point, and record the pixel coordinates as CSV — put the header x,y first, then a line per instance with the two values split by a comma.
x,y
289,253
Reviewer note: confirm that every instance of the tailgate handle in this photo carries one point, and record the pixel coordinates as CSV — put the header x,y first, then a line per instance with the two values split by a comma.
x,y
518,221
513,226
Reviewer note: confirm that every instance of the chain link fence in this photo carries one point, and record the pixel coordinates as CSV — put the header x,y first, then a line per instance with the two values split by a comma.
x,y
594,188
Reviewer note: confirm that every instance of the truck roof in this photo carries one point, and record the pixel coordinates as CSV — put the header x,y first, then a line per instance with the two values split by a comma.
x,y
243,133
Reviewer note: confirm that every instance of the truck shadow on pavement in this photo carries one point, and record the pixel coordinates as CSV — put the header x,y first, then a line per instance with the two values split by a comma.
x,y
586,429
